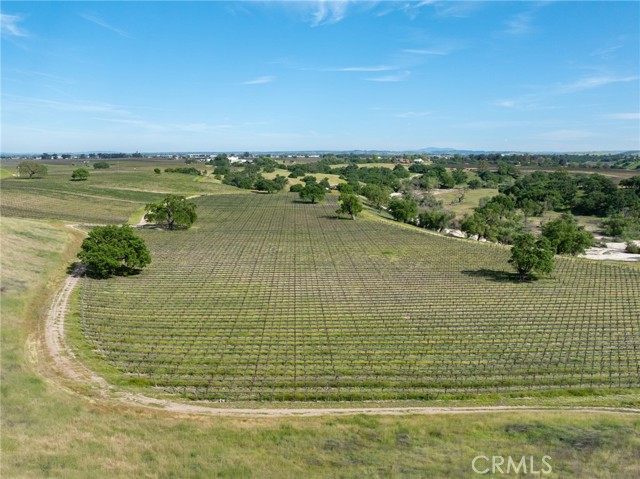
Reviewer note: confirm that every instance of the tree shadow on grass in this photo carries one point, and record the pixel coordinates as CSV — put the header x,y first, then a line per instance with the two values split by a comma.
x,y
336,217
78,269
493,275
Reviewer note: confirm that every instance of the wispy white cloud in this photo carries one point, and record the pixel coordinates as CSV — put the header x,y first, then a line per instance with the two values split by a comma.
x,y
605,51
418,51
594,82
259,81
395,77
507,103
412,114
374,68
520,24
100,22
456,9
68,106
168,127
536,100
327,12
9,26
621,116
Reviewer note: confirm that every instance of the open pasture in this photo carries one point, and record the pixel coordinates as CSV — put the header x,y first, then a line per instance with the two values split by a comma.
x,y
269,298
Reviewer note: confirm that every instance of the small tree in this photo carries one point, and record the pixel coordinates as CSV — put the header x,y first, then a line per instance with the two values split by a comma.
x,y
566,237
529,255
173,212
403,210
459,176
313,192
31,169
349,204
436,219
113,250
101,165
157,171
378,195
80,174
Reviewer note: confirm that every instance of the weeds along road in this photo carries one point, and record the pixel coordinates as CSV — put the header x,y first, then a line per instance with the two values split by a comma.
x,y
69,371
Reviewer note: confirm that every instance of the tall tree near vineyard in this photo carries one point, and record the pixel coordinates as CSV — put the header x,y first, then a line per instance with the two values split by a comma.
x,y
529,255
173,212
349,204
113,250
313,192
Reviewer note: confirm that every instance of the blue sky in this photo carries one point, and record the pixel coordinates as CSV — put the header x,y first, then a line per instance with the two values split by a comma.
x,y
310,75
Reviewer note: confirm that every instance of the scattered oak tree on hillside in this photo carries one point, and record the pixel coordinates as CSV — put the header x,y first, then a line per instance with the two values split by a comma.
x,y
529,255
349,204
403,210
80,174
566,237
173,212
113,250
313,192
31,169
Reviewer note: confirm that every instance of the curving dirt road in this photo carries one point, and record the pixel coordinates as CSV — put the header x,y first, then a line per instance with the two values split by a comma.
x,y
68,368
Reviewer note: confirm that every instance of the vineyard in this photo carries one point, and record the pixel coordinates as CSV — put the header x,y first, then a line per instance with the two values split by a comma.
x,y
273,299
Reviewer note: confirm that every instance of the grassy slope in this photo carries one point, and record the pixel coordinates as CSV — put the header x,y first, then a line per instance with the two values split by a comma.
x,y
49,432
108,196
471,199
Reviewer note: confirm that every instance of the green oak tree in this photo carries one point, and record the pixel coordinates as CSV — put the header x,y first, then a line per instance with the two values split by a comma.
x,y
566,237
529,255
313,192
80,174
403,210
113,250
173,212
31,169
349,204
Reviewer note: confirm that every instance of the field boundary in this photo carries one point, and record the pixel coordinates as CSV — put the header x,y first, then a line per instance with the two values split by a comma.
x,y
68,370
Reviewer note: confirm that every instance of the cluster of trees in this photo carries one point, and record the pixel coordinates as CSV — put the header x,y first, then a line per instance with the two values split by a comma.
x,y
435,176
495,219
101,165
380,176
575,160
270,186
249,178
592,195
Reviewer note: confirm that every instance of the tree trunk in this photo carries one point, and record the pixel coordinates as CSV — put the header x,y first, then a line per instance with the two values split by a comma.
x,y
353,217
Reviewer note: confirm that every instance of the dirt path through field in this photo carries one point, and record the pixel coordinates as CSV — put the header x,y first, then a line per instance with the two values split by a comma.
x,y
68,367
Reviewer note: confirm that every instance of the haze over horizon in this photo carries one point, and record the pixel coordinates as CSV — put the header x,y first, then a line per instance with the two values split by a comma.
x,y
304,76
